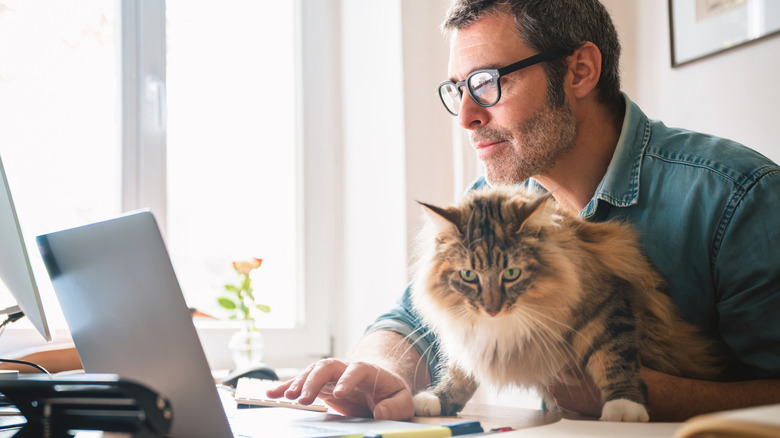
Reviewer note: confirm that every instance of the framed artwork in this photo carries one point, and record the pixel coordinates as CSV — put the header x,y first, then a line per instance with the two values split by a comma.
x,y
701,28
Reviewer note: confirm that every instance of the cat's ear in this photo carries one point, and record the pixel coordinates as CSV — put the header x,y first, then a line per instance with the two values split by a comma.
x,y
526,210
445,220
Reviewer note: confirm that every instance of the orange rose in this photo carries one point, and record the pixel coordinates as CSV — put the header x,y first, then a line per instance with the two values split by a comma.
x,y
246,266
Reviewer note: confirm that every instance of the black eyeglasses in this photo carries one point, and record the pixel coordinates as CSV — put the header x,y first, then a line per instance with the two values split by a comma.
x,y
484,85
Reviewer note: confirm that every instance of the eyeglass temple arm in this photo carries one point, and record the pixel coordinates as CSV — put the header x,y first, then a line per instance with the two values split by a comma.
x,y
547,55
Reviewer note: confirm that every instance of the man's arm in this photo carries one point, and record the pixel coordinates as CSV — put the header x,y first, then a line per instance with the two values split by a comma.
x,y
384,371
672,398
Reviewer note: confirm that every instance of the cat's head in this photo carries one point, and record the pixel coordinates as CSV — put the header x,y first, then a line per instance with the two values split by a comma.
x,y
484,253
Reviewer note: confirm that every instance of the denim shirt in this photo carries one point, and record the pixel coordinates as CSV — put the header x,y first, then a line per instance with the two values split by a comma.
x,y
706,211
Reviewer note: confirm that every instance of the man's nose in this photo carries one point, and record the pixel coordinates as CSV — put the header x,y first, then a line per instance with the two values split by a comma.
x,y
471,115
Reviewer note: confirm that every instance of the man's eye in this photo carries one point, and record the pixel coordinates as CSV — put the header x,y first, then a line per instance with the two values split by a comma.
x,y
480,81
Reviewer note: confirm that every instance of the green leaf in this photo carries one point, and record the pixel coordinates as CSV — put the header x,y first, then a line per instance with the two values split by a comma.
x,y
263,308
227,303
231,288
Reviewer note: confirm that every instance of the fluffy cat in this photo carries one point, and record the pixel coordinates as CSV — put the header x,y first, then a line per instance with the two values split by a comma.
x,y
521,292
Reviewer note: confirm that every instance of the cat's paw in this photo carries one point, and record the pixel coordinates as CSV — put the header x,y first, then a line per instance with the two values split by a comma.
x,y
623,410
426,404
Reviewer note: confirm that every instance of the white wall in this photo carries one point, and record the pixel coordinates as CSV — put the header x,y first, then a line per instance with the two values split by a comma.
x,y
733,94
392,58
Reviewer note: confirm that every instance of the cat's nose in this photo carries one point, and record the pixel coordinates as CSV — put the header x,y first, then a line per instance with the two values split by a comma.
x,y
492,312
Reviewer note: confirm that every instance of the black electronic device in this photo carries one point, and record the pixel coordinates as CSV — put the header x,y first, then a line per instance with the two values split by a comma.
x,y
260,371
55,406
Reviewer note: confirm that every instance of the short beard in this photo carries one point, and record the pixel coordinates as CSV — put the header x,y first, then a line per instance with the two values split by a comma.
x,y
536,144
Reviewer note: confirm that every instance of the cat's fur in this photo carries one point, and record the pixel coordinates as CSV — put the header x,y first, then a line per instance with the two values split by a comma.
x,y
586,301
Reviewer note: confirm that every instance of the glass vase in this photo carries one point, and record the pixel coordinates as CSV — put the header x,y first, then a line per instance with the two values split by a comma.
x,y
246,346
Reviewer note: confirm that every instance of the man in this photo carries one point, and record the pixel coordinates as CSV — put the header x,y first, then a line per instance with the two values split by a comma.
x,y
703,205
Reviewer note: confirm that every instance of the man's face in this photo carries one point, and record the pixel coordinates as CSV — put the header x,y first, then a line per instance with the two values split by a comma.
x,y
522,135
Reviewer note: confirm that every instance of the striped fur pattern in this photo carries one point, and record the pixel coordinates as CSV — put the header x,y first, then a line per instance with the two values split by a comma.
x,y
522,293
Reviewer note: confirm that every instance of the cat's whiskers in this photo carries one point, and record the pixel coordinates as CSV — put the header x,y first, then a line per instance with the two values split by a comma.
x,y
549,339
562,342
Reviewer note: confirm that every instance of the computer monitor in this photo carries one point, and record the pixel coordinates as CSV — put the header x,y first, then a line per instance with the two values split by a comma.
x,y
15,269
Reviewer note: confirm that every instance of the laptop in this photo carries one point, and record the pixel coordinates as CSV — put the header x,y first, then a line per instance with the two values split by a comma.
x,y
127,316
125,310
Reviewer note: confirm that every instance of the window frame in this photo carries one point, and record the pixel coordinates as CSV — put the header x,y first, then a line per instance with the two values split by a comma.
x,y
319,186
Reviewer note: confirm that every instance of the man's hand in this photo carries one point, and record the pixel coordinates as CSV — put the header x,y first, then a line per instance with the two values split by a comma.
x,y
378,381
356,389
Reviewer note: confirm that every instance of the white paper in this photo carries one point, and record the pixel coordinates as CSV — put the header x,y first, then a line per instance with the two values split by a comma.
x,y
602,429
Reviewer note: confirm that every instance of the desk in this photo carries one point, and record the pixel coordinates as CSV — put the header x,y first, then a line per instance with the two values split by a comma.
x,y
489,416
500,416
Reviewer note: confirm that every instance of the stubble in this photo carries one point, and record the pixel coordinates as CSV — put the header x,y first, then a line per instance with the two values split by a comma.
x,y
534,146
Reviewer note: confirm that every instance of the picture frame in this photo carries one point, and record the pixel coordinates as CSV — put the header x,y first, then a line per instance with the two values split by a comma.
x,y
703,28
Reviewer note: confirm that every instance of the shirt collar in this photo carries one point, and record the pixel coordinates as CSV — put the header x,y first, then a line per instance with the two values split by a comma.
x,y
620,185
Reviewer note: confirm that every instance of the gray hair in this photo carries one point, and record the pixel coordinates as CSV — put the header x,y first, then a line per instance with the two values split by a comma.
x,y
547,24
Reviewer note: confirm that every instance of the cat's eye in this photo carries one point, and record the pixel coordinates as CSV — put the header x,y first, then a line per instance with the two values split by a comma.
x,y
510,274
469,276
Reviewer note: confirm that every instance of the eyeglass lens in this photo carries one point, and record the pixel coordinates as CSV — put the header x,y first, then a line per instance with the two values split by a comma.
x,y
482,87
451,97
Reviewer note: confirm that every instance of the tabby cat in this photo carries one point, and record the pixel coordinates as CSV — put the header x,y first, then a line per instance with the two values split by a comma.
x,y
521,292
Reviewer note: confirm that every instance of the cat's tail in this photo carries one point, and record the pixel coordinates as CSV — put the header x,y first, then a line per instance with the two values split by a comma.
x,y
674,346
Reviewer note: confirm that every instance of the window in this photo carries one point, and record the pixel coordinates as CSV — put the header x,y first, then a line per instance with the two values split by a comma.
x,y
59,103
232,174
95,124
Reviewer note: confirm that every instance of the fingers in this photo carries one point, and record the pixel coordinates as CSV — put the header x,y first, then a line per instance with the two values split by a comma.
x,y
316,380
292,385
278,391
355,374
357,388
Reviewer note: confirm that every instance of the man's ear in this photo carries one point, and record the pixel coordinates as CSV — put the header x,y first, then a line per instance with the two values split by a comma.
x,y
585,66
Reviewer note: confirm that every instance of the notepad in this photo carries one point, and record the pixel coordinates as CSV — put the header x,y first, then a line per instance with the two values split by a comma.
x,y
251,392
758,422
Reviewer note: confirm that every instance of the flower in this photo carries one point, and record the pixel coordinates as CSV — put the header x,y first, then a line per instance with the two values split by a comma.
x,y
240,299
247,266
